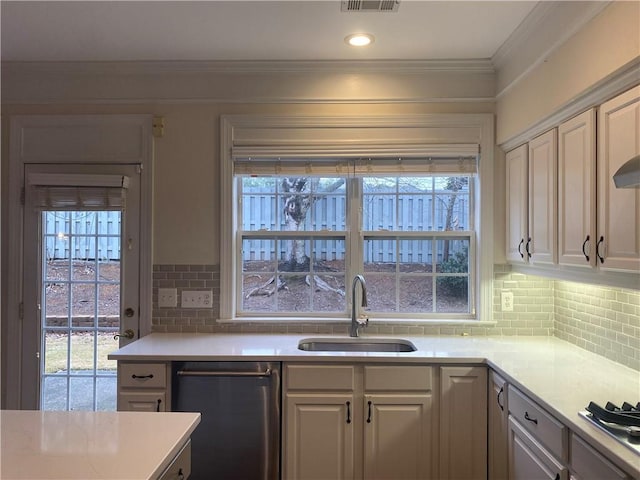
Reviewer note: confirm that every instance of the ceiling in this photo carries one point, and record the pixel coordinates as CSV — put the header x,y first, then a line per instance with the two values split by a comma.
x,y
252,30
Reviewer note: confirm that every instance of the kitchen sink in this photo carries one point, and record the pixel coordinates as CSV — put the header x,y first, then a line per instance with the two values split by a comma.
x,y
356,345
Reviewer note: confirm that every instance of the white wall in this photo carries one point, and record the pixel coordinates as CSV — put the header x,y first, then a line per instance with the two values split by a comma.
x,y
604,46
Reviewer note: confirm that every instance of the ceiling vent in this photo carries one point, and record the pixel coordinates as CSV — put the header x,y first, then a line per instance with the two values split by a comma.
x,y
370,5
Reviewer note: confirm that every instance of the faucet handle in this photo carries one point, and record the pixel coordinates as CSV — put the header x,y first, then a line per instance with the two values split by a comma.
x,y
363,321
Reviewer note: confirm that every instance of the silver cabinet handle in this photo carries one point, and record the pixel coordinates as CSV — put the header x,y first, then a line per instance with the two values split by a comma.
x,y
213,373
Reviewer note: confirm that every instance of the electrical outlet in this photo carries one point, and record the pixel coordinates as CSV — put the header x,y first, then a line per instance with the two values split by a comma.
x,y
197,299
507,301
167,297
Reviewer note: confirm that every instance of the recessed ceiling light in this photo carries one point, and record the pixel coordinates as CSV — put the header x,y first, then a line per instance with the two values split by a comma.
x,y
359,39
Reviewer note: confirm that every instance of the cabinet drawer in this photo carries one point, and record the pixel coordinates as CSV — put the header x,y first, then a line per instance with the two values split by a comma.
x,y
320,377
142,375
405,378
180,467
142,402
544,427
588,464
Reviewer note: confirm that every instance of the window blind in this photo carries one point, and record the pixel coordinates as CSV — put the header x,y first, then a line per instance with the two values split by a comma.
x,y
433,159
52,191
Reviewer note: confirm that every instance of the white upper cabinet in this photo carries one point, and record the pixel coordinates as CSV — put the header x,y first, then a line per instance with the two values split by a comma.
x,y
517,204
531,196
543,192
618,237
577,191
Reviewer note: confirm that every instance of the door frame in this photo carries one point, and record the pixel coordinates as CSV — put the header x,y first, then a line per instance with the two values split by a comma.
x,y
68,139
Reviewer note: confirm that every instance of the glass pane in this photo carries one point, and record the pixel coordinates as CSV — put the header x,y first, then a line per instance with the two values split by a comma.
x,y
106,389
415,185
297,296
54,395
83,303
373,185
56,347
415,256
109,271
294,255
381,293
106,345
453,255
56,297
452,294
83,223
329,255
84,270
82,352
259,211
416,294
379,212
258,255
258,292
108,304
57,270
328,213
81,393
380,255
328,293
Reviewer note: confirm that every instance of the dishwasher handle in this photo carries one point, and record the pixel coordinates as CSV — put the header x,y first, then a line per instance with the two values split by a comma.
x,y
221,373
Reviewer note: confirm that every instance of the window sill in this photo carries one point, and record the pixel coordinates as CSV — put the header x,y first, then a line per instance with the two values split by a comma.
x,y
377,321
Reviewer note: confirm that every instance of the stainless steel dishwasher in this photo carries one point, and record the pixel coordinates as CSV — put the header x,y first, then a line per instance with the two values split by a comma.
x,y
239,432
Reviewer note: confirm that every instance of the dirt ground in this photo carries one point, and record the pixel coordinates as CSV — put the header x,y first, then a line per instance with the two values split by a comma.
x,y
415,292
82,295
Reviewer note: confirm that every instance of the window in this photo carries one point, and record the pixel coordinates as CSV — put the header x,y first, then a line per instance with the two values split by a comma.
x,y
303,238
313,201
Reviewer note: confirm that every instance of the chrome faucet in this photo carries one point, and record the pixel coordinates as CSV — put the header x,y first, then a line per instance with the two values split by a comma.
x,y
356,323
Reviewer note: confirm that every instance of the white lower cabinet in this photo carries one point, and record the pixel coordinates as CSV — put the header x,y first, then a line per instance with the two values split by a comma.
x,y
384,422
588,464
142,387
463,422
358,421
538,443
528,459
498,425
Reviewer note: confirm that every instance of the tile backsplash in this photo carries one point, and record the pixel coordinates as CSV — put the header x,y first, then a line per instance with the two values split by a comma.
x,y
603,320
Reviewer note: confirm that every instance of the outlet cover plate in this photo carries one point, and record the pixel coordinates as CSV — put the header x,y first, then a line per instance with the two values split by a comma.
x,y
167,297
507,301
197,299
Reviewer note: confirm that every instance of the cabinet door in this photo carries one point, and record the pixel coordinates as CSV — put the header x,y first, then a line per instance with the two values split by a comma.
x,y
498,428
543,193
588,464
463,422
577,191
397,436
618,208
318,436
528,459
142,402
517,191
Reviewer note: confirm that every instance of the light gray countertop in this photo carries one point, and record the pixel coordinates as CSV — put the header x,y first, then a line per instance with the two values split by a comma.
x,y
558,375
90,445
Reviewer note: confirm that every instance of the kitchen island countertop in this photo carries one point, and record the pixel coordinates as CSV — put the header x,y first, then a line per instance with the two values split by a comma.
x,y
561,377
48,445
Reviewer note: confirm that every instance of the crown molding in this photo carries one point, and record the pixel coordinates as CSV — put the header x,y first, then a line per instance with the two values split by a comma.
x,y
547,27
610,86
251,67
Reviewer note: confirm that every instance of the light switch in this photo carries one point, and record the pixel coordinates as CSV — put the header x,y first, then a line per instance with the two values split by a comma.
x,y
167,297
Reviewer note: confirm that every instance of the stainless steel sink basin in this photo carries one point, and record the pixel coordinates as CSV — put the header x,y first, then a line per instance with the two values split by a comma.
x,y
356,345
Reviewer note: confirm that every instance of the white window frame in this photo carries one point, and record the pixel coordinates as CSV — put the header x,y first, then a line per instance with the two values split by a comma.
x,y
306,135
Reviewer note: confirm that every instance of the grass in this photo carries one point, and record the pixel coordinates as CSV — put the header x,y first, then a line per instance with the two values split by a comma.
x,y
82,348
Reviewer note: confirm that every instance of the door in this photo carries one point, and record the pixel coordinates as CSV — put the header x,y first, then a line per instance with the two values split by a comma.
x,y
498,414
319,439
543,194
577,190
397,436
463,422
618,208
517,191
81,282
